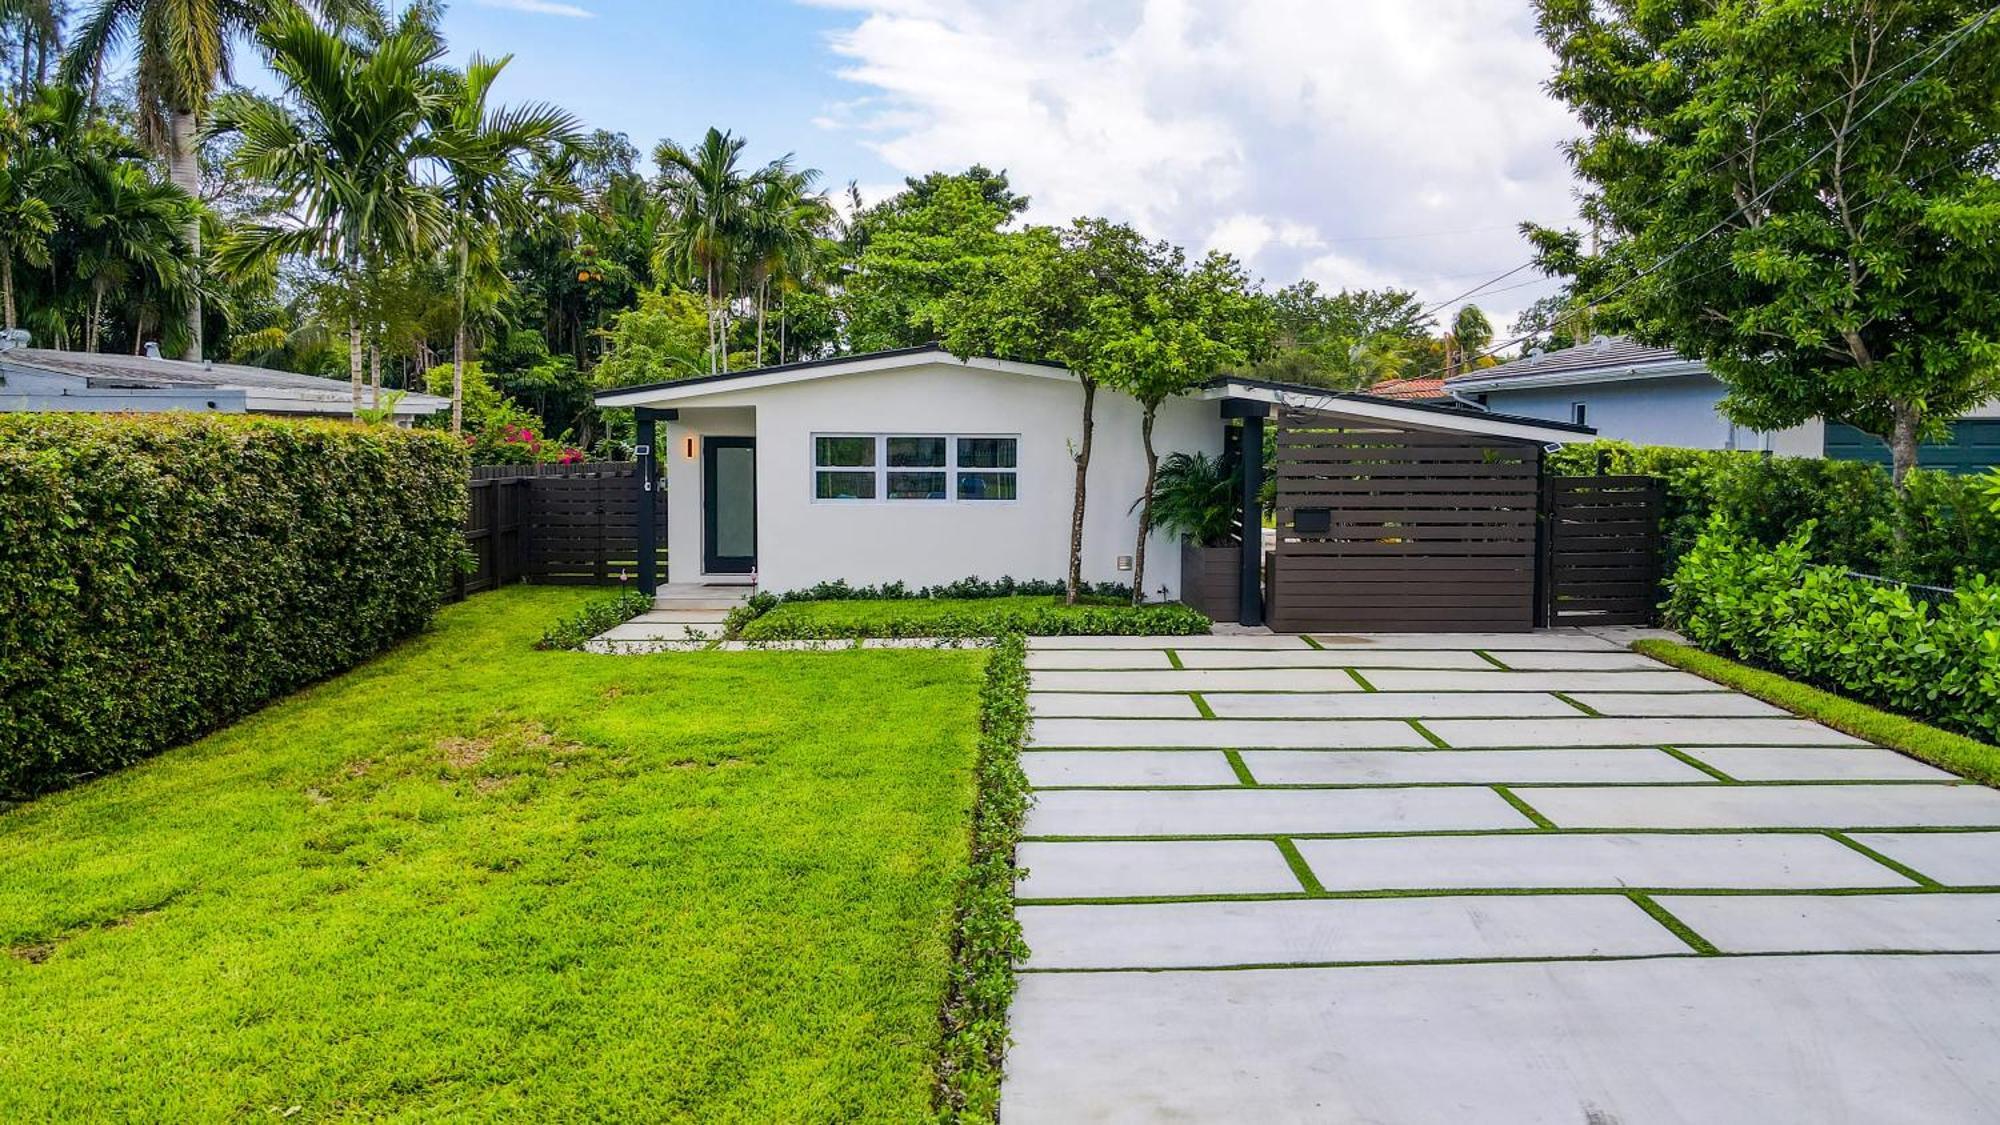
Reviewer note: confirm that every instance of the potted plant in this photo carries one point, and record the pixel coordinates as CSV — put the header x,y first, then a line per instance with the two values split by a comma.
x,y
1194,497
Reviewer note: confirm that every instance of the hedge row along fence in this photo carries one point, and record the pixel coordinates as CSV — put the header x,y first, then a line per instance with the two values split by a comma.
x,y
165,574
1773,607
1952,522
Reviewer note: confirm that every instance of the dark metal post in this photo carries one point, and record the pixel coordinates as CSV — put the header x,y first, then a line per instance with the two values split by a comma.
x,y
1250,477
649,534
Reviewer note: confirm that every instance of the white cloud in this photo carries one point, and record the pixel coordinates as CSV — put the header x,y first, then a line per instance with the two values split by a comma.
x,y
1365,142
540,8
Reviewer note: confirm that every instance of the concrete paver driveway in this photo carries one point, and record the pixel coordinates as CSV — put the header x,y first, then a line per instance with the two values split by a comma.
x,y
1507,878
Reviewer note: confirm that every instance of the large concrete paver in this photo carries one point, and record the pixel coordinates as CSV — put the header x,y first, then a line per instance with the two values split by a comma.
x,y
1703,704
1829,1039
1386,704
1956,859
1216,934
1267,812
1771,806
1579,662
1224,732
1925,923
1278,641
1482,733
1339,658
1127,767
1755,861
1790,763
1493,679
1547,640
1143,868
1267,679
1107,705
1093,659
1466,767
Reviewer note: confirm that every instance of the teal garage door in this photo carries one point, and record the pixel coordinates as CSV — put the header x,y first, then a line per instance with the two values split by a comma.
x,y
1974,447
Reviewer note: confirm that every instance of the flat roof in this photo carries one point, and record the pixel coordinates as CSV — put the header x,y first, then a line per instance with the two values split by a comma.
x,y
778,374
137,372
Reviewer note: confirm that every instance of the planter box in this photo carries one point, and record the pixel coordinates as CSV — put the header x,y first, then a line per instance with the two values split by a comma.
x,y
1210,579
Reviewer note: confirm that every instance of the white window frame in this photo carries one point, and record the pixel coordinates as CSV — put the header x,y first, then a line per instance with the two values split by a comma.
x,y
882,469
1579,412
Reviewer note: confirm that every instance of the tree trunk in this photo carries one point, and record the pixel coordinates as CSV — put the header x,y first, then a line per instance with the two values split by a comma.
x,y
354,362
1075,579
7,288
375,374
458,379
96,316
184,168
1145,506
760,324
1903,443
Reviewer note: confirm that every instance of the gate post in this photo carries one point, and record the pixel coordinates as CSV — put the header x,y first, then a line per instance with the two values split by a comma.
x,y
649,535
1250,478
1545,542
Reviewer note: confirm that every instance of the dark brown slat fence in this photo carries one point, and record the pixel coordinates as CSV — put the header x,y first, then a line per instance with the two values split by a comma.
x,y
556,524
1391,530
1603,549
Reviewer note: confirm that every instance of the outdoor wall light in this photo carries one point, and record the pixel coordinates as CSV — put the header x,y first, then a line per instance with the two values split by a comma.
x,y
688,446
1124,562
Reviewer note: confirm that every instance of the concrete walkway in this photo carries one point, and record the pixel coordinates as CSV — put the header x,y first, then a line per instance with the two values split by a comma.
x,y
1506,878
684,615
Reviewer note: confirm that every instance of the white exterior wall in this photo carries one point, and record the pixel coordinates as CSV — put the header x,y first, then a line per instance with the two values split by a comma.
x,y
801,541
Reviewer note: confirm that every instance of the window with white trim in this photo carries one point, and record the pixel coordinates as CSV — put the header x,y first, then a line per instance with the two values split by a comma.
x,y
940,468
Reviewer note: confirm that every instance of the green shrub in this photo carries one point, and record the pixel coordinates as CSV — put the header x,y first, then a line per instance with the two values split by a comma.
x,y
164,574
1950,527
1774,607
571,632
964,619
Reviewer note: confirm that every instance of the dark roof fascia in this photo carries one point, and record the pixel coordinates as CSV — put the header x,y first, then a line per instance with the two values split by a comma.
x,y
1451,410
801,365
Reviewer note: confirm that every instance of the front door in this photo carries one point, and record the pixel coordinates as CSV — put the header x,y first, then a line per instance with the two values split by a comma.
x,y
729,505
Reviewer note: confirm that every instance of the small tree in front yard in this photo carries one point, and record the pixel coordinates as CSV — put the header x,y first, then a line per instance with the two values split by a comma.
x,y
1801,195
1195,323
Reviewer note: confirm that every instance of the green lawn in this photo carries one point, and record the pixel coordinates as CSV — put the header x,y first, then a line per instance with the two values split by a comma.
x,y
1033,614
474,880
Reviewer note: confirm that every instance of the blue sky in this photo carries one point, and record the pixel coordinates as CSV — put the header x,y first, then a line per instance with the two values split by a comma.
x,y
1358,143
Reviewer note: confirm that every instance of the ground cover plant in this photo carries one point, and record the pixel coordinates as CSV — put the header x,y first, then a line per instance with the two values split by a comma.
x,y
475,880
965,618
1966,757
164,574
573,630
1873,642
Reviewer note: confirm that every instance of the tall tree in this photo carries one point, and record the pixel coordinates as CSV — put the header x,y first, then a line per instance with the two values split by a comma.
x,y
708,194
339,151
1194,324
1804,196
784,221
916,250
485,152
26,220
132,235
1471,331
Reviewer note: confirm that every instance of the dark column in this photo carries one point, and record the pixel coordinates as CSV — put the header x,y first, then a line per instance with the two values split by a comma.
x,y
649,533
1250,477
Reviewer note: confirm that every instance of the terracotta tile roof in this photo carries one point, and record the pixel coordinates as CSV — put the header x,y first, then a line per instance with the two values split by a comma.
x,y
1409,389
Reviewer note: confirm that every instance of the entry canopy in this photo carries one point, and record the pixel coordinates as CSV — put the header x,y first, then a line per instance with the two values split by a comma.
x,y
1371,410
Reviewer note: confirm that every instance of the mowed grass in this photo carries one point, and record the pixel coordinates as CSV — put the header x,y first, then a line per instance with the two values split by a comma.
x,y
472,880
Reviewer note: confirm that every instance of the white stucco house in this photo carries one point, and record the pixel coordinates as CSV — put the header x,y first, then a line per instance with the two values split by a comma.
x,y
921,467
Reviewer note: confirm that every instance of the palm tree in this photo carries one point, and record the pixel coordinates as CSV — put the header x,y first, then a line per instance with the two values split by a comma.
x,y
481,151
339,151
39,25
783,223
133,235
26,220
707,194
1470,332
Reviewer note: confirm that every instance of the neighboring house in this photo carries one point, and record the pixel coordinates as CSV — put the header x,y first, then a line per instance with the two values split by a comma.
x,y
1656,396
917,466
40,379
1411,390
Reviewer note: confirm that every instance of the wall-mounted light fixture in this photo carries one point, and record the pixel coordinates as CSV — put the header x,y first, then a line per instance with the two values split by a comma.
x,y
1124,562
688,447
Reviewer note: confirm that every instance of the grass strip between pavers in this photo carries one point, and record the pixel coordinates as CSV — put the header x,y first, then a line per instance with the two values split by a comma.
x,y
1968,758
986,938
1680,929
1682,755
1524,808
1491,659
1903,869
1584,707
1300,869
1240,768
1201,705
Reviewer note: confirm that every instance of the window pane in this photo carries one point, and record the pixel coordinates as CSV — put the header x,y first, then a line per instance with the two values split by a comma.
x,y
986,452
844,451
844,486
916,453
916,486
986,486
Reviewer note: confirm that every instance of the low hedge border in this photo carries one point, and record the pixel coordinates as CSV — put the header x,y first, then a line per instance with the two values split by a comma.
x,y
1052,621
1966,757
986,938
575,630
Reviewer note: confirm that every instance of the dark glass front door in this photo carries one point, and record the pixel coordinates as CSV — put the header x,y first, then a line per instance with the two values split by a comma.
x,y
729,505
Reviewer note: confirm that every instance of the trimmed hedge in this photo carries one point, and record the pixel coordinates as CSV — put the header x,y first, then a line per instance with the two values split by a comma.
x,y
1773,607
165,574
1952,524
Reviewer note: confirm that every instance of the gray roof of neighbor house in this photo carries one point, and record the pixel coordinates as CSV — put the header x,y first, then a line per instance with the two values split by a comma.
x,y
264,390
1604,359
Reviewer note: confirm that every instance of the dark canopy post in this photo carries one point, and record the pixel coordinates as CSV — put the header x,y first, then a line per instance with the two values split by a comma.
x,y
1250,476
647,454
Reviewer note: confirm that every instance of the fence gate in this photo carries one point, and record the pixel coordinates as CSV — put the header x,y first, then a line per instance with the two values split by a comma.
x,y
1602,549
1401,531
